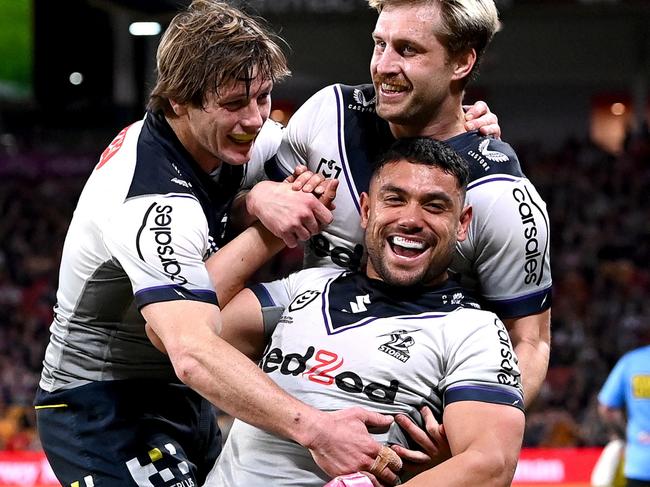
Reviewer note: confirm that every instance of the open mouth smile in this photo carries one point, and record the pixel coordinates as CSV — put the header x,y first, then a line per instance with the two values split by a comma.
x,y
405,247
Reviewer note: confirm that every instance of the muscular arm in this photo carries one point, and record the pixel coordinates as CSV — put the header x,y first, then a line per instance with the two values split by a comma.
x,y
207,364
485,440
531,338
243,325
188,332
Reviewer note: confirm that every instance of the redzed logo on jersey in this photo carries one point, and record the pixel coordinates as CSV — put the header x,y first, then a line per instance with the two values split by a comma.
x,y
112,148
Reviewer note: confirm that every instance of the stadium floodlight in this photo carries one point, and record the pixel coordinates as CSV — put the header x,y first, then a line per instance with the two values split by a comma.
x,y
144,29
76,78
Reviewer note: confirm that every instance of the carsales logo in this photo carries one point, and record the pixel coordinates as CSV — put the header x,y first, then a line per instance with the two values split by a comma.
x,y
320,367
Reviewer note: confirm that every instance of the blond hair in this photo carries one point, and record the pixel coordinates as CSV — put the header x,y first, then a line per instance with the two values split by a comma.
x,y
466,24
207,47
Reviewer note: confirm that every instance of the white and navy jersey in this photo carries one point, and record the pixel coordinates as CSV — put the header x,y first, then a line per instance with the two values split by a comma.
x,y
346,340
505,259
146,220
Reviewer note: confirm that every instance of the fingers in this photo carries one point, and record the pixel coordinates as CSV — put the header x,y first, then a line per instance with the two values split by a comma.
x,y
329,193
477,110
372,419
434,429
388,477
419,435
478,116
304,180
386,466
411,456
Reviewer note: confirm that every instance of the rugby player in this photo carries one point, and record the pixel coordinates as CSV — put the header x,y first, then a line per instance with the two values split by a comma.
x,y
425,53
111,408
398,337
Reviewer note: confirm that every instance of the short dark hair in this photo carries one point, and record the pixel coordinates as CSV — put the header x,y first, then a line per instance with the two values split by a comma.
x,y
428,152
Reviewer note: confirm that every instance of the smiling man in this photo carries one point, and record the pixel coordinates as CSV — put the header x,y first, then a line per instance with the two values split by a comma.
x,y
399,337
425,54
112,409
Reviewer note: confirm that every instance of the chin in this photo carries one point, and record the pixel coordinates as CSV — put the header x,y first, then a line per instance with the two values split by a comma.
x,y
237,158
402,278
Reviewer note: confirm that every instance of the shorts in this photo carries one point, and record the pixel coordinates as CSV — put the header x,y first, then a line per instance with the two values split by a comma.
x,y
128,433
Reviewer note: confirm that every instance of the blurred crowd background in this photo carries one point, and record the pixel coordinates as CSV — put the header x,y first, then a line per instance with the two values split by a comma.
x,y
592,168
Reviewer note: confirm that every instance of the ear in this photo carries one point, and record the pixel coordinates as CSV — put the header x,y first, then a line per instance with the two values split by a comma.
x,y
465,219
365,208
179,108
463,64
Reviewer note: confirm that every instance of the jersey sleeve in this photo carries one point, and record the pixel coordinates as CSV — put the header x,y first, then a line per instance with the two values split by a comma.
x,y
265,147
613,392
509,246
297,137
481,363
160,242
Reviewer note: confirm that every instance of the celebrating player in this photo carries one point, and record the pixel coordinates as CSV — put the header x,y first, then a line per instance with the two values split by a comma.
x,y
425,53
398,337
111,408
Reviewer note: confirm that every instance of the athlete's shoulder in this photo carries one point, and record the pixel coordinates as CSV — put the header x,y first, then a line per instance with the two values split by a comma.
x,y
318,274
162,164
358,98
486,156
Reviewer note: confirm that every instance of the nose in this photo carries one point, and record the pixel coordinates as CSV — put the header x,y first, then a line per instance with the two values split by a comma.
x,y
410,218
386,61
252,117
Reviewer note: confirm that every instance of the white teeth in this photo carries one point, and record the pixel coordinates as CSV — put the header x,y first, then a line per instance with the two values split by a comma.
x,y
392,88
408,244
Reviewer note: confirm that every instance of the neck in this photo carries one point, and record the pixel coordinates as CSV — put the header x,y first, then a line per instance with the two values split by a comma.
x,y
203,158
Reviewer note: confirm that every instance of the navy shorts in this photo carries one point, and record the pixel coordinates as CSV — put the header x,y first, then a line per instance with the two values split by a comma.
x,y
128,433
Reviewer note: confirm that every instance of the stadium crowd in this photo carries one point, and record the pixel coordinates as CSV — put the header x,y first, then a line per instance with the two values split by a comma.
x,y
599,209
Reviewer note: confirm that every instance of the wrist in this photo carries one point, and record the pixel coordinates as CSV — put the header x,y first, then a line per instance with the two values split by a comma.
x,y
250,202
307,426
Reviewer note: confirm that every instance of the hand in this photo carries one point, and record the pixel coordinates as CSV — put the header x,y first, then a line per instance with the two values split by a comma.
x,y
290,215
303,179
478,116
433,441
342,444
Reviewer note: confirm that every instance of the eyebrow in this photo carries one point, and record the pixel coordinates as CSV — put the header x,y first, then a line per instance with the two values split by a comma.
x,y
433,195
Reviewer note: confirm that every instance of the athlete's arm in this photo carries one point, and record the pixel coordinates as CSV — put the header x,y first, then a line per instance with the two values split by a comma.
x,y
478,116
485,440
243,324
339,442
531,337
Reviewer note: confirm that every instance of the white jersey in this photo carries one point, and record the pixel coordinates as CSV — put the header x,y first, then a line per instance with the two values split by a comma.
x,y
505,258
146,220
345,340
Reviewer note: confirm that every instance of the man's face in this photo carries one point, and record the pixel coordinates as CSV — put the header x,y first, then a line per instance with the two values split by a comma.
x,y
409,67
225,129
413,217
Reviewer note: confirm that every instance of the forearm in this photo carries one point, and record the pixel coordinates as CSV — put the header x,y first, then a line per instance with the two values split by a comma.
x,y
234,264
240,217
533,363
238,387
468,469
531,338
